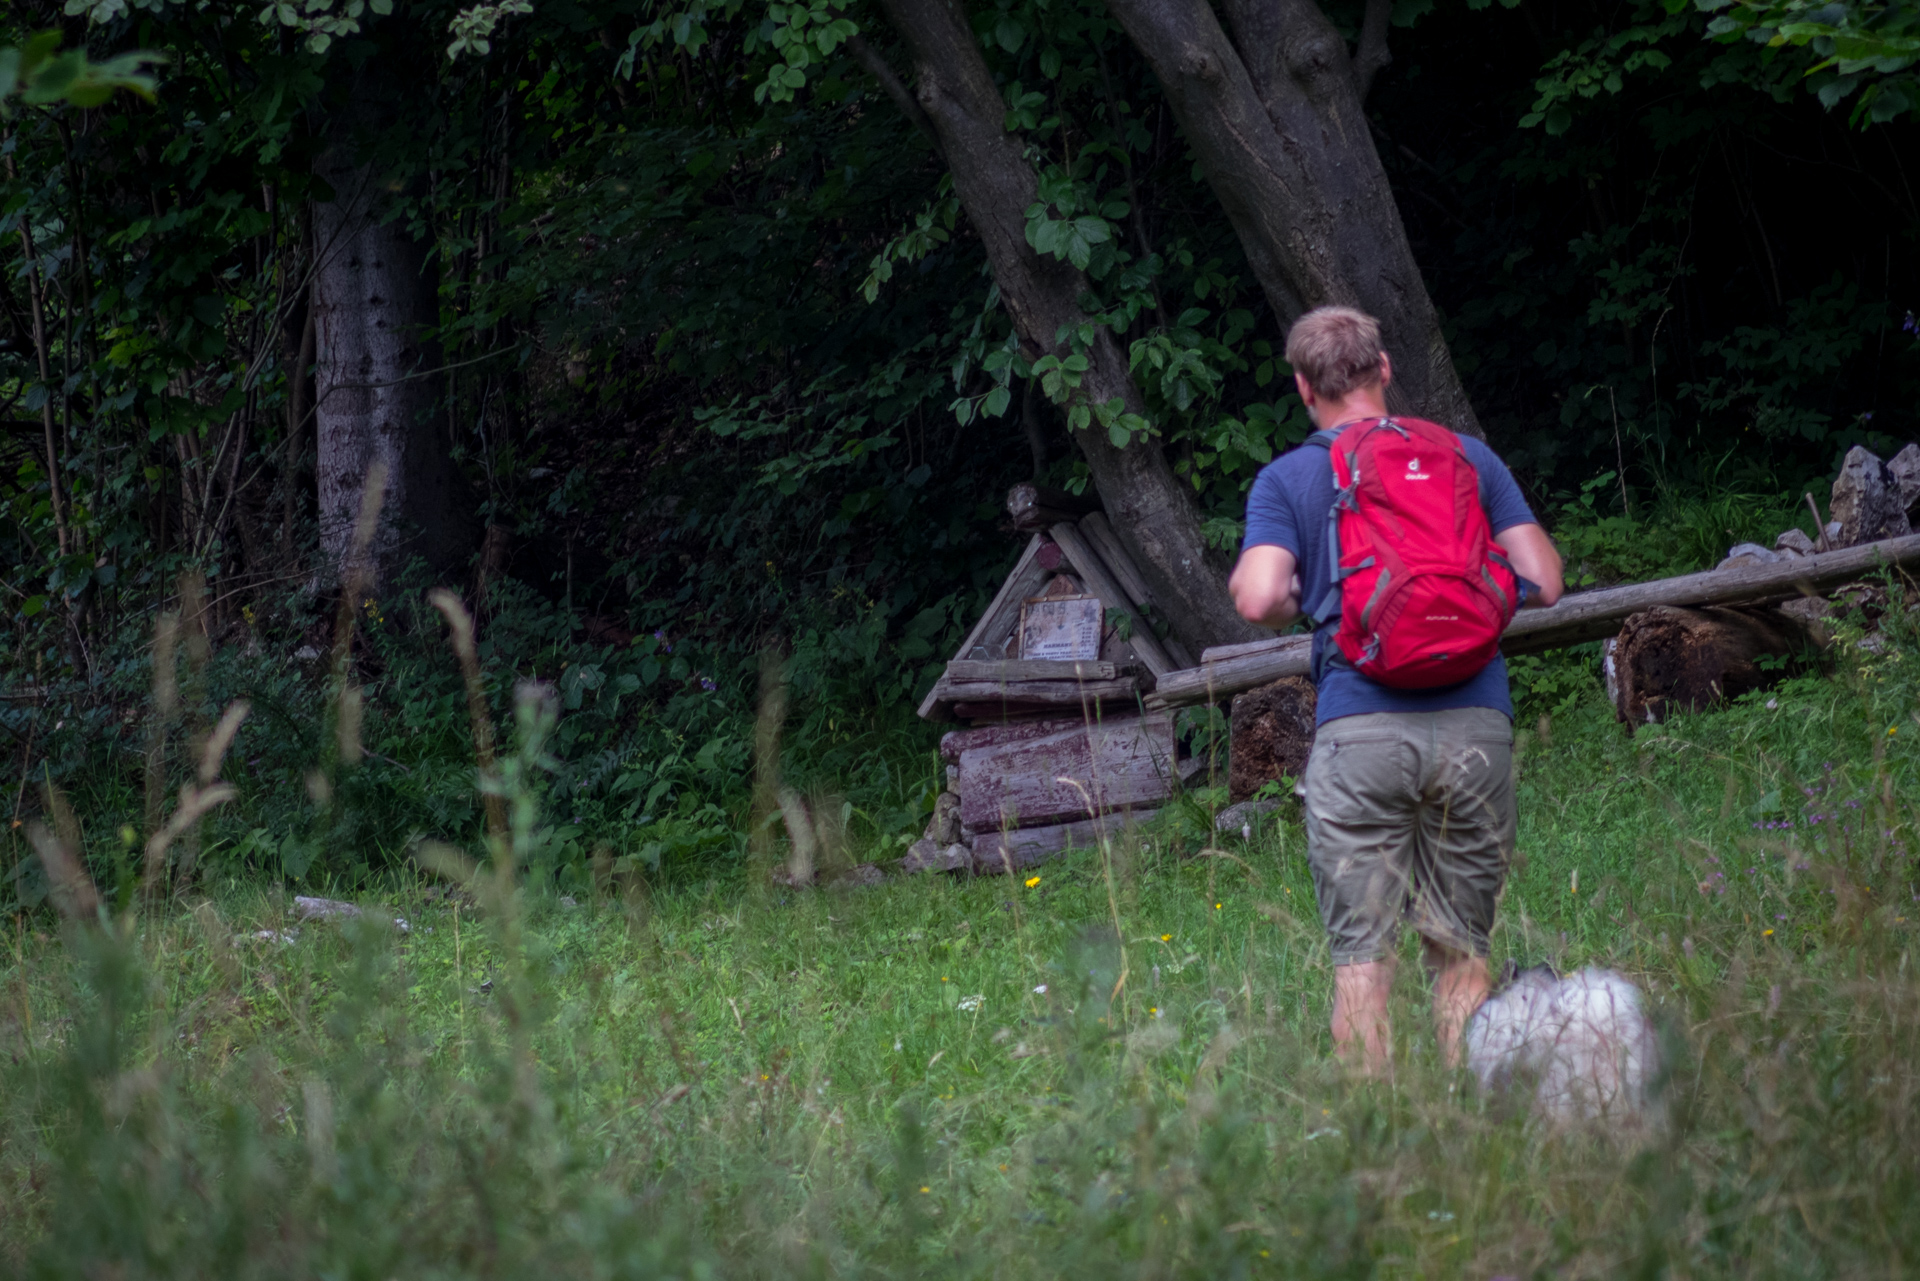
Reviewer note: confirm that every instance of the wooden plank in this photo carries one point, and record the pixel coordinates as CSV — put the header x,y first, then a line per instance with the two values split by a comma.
x,y
1118,762
954,742
1033,669
997,853
1087,563
1066,693
1114,552
1002,616
1582,616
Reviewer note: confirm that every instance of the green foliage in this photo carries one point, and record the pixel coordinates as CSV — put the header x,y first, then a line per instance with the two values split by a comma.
x,y
1868,49
41,75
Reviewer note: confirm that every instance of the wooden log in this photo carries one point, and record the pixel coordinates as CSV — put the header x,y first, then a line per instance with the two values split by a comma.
x,y
1119,762
1043,693
954,742
1034,509
1253,665
1582,616
1094,572
1668,659
1034,669
1000,853
1107,545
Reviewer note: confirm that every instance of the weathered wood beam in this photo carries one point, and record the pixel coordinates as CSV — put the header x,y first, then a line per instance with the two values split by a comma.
x,y
1046,693
1036,669
1111,550
1582,616
1003,615
1018,850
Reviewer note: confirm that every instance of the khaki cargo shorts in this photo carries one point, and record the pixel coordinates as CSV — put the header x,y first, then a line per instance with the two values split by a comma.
x,y
1410,815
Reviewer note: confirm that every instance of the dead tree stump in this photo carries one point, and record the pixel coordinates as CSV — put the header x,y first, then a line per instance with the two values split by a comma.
x,y
1272,735
1668,659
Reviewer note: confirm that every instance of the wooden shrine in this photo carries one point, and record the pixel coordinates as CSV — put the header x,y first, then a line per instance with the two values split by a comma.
x,y
1059,746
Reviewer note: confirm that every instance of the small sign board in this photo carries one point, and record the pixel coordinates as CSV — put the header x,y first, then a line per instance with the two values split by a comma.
x,y
1066,628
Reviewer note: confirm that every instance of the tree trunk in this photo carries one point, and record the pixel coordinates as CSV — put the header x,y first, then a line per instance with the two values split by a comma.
x,y
1150,509
1668,659
376,374
1277,127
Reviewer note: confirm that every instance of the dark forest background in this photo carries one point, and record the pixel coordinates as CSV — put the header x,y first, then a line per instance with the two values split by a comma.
x,y
709,356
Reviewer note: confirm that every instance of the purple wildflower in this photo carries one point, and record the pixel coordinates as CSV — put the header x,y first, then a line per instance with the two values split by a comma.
x,y
707,683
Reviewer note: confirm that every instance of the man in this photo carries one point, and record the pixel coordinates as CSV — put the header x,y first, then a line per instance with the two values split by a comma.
x,y
1409,793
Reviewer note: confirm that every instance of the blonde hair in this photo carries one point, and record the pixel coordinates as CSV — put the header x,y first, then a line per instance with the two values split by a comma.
x,y
1336,349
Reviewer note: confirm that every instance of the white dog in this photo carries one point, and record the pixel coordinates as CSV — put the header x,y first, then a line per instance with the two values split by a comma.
x,y
1584,1042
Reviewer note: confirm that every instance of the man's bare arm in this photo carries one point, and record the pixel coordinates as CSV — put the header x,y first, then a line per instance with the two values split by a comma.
x,y
1535,558
1265,588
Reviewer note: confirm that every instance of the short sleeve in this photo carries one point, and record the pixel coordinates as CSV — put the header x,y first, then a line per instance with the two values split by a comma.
x,y
1506,505
1270,521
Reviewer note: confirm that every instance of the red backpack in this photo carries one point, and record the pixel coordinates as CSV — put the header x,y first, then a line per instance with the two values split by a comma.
x,y
1421,589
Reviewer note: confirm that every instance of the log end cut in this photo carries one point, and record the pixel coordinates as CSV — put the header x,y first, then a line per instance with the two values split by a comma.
x,y
1668,659
1272,735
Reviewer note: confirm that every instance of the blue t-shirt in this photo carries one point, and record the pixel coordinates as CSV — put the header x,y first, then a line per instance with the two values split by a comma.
x,y
1288,508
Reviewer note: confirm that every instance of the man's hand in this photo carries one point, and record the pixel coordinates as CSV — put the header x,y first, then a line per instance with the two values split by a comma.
x,y
1535,558
1265,587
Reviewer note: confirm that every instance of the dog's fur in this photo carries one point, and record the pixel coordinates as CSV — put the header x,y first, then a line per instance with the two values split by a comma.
x,y
1583,1044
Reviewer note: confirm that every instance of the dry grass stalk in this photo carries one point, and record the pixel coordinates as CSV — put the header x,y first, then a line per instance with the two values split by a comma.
x,y
74,895
197,799
460,624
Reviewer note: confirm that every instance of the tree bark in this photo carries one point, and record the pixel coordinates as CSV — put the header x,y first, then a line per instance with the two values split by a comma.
x,y
1278,129
1150,509
376,376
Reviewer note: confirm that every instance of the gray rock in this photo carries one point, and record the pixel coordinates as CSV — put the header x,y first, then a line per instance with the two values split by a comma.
x,y
332,909
944,827
1794,542
1905,467
928,856
1239,818
1866,501
1833,534
1741,555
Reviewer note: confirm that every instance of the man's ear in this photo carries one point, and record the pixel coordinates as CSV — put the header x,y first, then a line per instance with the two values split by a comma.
x,y
1306,393
1386,371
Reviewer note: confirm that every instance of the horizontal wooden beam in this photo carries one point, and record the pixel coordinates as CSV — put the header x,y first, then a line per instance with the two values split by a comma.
x,y
1066,693
1582,616
1036,669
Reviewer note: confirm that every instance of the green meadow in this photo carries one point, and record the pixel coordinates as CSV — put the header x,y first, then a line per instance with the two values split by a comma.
x,y
1119,1067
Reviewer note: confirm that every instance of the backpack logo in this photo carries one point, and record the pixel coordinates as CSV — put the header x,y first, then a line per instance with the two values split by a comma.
x,y
1414,472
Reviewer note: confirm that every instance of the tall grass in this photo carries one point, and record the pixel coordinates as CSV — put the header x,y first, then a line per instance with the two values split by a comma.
x,y
1121,1069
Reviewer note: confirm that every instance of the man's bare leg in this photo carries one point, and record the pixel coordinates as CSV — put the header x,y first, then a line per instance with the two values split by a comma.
x,y
1362,1031
1460,984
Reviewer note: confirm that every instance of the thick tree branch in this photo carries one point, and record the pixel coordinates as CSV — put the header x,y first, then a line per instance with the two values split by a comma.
x,y
1153,512
1275,120
1372,53
876,66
